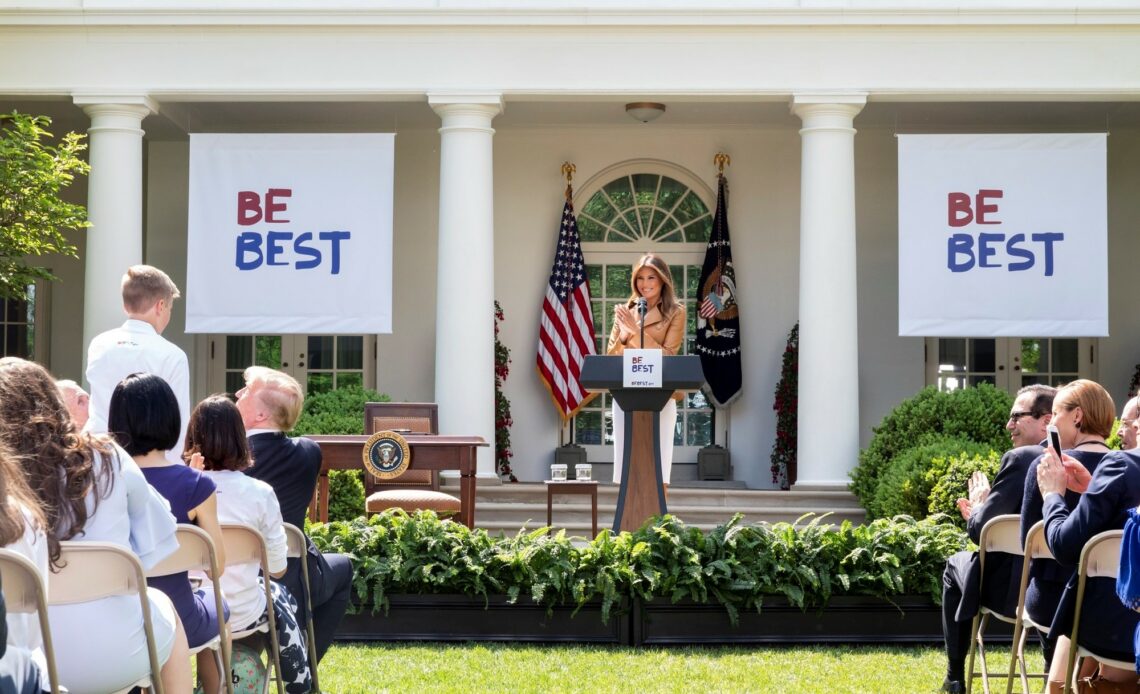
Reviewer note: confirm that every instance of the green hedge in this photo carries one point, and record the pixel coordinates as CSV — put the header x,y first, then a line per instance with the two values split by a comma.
x,y
948,478
975,414
905,485
736,565
340,411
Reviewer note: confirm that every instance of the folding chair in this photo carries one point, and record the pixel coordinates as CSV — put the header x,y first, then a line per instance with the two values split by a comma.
x,y
1100,558
24,592
245,545
95,570
298,550
196,552
999,534
1035,548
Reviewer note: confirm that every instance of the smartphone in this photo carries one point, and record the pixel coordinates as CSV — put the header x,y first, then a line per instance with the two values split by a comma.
x,y
1054,439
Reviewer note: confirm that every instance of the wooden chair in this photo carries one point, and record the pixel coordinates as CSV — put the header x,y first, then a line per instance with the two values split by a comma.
x,y
95,570
298,550
1035,548
415,489
999,534
24,593
196,552
1100,558
245,545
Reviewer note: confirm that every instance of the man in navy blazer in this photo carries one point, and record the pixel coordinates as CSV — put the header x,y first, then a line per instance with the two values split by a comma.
x,y
270,404
961,593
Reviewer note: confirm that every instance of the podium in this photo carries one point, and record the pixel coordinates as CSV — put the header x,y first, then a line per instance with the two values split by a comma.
x,y
642,494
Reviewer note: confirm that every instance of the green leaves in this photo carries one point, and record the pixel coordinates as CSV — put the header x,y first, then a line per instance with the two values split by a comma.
x,y
33,215
735,565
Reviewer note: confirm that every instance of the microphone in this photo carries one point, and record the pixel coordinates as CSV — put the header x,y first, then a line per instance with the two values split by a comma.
x,y
642,306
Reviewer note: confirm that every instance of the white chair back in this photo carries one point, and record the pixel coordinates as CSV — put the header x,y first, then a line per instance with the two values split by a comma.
x,y
1100,558
24,592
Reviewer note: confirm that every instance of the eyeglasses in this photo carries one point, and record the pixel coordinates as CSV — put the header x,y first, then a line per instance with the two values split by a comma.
x,y
1015,416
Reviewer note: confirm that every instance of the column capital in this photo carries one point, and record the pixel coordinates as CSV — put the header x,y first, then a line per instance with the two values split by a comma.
x,y
828,111
466,111
126,103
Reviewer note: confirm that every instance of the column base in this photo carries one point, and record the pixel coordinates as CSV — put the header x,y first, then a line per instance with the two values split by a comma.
x,y
821,486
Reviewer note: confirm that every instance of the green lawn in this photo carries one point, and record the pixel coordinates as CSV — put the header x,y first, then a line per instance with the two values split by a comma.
x,y
366,667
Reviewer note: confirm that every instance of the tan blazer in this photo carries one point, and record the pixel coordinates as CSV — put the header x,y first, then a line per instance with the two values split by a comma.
x,y
660,333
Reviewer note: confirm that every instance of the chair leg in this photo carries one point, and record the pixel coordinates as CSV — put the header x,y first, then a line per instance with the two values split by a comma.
x,y
970,655
982,652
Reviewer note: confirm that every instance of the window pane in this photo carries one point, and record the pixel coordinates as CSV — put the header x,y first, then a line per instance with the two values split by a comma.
x,y
14,310
671,191
975,380
699,230
696,400
982,356
679,430
234,381
699,428
599,208
268,351
1032,379
1034,356
693,279
633,222
1065,355
618,280
646,187
320,382
594,277
608,423
320,352
349,380
951,355
239,351
619,193
690,208
588,428
350,352
621,231
17,341
678,273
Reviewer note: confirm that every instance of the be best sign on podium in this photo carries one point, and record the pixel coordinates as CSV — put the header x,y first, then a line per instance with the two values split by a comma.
x,y
642,381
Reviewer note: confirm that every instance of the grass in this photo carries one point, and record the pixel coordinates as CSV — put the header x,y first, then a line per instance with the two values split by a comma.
x,y
479,667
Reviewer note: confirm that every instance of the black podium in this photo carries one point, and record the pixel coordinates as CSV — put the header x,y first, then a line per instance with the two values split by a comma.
x,y
641,495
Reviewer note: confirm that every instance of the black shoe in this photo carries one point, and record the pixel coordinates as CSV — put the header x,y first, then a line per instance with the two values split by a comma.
x,y
953,687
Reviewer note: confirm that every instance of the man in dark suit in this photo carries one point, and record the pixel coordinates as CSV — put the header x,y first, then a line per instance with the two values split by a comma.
x,y
270,404
1032,410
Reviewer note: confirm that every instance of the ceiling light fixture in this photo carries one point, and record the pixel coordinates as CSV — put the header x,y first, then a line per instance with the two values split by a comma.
x,y
645,111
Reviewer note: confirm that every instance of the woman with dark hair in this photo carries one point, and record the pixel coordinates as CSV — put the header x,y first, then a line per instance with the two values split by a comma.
x,y
216,443
91,490
664,330
144,419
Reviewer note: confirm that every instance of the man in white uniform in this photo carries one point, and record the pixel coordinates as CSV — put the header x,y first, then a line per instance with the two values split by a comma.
x,y
137,346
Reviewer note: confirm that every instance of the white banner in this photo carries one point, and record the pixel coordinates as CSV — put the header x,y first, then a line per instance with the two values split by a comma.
x,y
1003,235
290,234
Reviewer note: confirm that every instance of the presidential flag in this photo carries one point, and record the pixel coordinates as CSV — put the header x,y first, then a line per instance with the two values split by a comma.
x,y
718,314
566,332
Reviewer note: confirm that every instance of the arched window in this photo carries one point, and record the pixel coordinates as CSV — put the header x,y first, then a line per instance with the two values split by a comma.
x,y
624,212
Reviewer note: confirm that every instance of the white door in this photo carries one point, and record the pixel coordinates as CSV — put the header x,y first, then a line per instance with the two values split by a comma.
x,y
1008,363
319,362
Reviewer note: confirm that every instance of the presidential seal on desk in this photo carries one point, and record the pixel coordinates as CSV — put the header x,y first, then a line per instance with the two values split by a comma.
x,y
386,454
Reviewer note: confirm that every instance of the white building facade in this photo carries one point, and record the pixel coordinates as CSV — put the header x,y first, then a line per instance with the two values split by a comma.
x,y
488,99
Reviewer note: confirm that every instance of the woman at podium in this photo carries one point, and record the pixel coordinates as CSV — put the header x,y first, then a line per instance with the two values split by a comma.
x,y
653,302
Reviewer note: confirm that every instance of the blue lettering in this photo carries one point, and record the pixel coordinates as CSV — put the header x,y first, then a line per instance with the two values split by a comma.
x,y
1047,240
986,250
248,242
300,248
273,246
959,244
335,237
1013,248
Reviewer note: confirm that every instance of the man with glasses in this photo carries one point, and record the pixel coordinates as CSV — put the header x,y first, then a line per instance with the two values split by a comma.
x,y
1127,430
1031,412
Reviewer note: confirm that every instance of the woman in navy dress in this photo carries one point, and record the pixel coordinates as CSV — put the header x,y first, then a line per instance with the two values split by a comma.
x,y
145,421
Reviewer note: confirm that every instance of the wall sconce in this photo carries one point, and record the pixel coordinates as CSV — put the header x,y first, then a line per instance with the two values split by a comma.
x,y
645,111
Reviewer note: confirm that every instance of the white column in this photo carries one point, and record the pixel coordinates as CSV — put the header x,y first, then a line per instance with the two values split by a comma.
x,y
465,279
114,205
829,332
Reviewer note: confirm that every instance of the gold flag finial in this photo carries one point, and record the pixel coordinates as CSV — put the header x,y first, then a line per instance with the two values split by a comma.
x,y
721,160
568,170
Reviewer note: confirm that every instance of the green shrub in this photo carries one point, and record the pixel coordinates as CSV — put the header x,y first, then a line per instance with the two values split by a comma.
x,y
904,487
736,565
948,478
1114,441
339,411
978,414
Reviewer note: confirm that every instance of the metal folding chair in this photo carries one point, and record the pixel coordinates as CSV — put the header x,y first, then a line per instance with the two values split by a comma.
x,y
1035,548
1000,534
196,552
24,592
95,570
244,544
1100,558
297,550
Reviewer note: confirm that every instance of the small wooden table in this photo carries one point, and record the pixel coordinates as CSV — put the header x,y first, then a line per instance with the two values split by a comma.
x,y
573,487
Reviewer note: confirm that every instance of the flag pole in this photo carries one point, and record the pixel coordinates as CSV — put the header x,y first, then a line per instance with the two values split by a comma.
x,y
568,170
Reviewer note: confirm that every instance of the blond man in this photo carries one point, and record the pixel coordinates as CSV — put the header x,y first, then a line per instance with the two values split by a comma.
x,y
138,346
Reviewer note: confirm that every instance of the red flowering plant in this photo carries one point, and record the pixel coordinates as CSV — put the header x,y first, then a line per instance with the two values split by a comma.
x,y
503,419
784,448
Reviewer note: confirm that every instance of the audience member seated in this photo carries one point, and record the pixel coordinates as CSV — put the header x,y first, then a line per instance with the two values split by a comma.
x,y
144,419
22,531
77,401
1128,578
1032,410
269,404
216,443
91,490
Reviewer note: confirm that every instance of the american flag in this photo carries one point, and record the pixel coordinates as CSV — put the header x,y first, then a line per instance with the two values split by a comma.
x,y
566,332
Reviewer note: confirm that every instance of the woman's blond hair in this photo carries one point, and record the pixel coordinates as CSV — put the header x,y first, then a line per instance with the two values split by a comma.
x,y
1097,409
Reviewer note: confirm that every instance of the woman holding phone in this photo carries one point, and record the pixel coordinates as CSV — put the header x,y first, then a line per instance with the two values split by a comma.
x,y
1083,415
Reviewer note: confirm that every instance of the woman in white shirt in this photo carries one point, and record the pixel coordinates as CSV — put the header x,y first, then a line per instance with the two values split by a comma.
x,y
216,443
91,490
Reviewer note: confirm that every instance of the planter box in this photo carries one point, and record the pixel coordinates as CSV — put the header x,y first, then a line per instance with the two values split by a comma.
x,y
460,618
847,619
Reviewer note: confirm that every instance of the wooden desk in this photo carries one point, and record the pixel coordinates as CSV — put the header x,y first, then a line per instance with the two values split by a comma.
x,y
429,452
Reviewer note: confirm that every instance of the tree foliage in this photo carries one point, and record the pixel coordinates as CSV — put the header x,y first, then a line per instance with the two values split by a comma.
x,y
33,216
